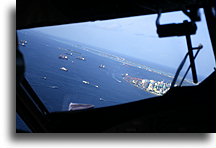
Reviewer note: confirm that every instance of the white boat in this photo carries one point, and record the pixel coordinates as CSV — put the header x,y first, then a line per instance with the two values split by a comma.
x,y
63,57
102,66
53,87
44,78
64,69
85,82
81,58
124,75
69,54
101,99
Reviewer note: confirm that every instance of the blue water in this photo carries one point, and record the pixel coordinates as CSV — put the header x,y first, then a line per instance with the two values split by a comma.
x,y
41,59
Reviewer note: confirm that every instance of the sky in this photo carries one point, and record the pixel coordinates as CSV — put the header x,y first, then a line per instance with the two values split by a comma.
x,y
137,37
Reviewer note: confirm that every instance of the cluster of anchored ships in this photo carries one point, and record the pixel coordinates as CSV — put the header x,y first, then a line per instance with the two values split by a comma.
x,y
154,87
65,57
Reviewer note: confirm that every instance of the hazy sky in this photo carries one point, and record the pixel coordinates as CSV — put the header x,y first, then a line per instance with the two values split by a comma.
x,y
137,37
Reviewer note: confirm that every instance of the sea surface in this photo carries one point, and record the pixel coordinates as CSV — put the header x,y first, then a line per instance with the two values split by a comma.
x,y
57,88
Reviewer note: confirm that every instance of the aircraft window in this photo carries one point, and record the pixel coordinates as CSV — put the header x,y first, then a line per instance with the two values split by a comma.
x,y
109,62
20,124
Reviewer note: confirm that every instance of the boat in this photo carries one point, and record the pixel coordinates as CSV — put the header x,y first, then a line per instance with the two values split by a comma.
x,y
85,82
53,87
64,69
81,58
78,106
69,54
101,99
44,78
124,75
63,57
102,66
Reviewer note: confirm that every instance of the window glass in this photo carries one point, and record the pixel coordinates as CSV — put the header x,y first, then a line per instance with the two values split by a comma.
x,y
20,124
110,62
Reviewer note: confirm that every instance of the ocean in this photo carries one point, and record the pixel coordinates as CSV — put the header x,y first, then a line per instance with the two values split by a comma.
x,y
57,88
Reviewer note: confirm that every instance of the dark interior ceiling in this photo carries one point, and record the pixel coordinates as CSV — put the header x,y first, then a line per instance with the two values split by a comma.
x,y
40,13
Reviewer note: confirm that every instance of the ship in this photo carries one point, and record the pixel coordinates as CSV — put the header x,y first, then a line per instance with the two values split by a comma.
x,y
81,58
44,78
63,57
64,69
85,82
69,54
102,66
124,75
53,87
